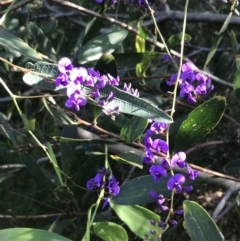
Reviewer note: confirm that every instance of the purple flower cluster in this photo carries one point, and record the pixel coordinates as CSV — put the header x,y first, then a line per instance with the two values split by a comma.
x,y
160,167
77,78
104,179
192,84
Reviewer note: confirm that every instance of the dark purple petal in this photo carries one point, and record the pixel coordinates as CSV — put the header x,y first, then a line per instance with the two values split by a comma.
x,y
174,183
62,79
188,189
173,222
188,67
157,171
160,146
148,141
192,174
65,65
179,211
106,202
153,194
172,79
152,222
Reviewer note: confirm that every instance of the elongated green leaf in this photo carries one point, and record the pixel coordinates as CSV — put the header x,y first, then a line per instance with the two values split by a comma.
x,y
234,42
138,220
132,130
198,223
54,162
10,41
109,231
218,40
42,40
106,42
57,112
89,141
29,234
130,157
15,136
222,67
237,78
176,39
137,190
68,148
232,167
35,169
200,122
125,102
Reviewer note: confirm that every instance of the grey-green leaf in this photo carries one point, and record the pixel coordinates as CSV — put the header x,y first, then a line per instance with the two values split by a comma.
x,y
106,42
109,231
198,223
10,41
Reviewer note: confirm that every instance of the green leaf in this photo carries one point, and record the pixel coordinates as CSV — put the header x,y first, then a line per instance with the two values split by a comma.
x,y
200,122
218,40
176,39
126,102
29,123
133,129
232,168
234,42
107,65
42,41
109,231
68,151
198,223
222,67
29,234
54,162
130,157
137,190
83,141
237,78
16,137
92,30
57,112
35,169
10,41
138,220
106,42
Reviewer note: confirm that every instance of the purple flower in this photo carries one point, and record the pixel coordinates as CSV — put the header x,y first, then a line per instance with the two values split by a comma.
x,y
175,183
178,159
96,93
148,141
148,156
157,128
160,146
192,174
162,225
62,79
165,164
172,79
173,222
113,187
152,222
157,171
78,74
188,67
188,189
179,211
65,65
106,202
75,100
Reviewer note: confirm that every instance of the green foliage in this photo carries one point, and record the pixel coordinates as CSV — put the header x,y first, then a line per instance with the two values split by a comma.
x,y
109,231
137,219
200,122
27,234
96,47
198,223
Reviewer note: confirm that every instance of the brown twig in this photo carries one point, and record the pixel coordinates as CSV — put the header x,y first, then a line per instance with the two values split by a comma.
x,y
16,6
